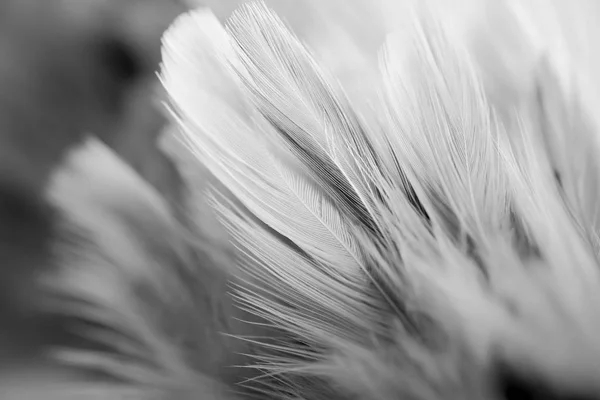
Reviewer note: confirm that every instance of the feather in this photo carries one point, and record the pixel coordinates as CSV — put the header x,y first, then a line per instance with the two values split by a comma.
x,y
331,160
128,288
295,207
401,246
427,233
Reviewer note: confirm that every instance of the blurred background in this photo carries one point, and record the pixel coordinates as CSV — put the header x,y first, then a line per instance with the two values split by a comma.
x,y
68,69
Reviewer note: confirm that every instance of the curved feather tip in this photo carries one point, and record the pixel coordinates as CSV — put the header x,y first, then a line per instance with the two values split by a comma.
x,y
439,241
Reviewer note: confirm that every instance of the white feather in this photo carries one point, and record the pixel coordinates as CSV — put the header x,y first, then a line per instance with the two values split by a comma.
x,y
436,202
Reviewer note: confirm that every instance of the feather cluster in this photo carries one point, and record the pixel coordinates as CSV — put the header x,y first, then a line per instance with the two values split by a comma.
x,y
407,228
408,247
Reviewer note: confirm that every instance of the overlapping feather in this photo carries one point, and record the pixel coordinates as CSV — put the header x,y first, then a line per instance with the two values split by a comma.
x,y
334,182
443,207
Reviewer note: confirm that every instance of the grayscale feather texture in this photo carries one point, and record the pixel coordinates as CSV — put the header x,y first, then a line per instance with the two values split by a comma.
x,y
359,223
404,245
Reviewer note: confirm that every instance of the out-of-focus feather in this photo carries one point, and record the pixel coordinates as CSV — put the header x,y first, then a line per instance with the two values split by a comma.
x,y
445,130
572,144
65,70
144,298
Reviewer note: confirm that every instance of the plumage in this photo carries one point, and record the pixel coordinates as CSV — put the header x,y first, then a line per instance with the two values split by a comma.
x,y
411,246
398,202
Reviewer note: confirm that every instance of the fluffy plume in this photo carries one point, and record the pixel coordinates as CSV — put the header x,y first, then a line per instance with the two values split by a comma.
x,y
417,223
412,247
